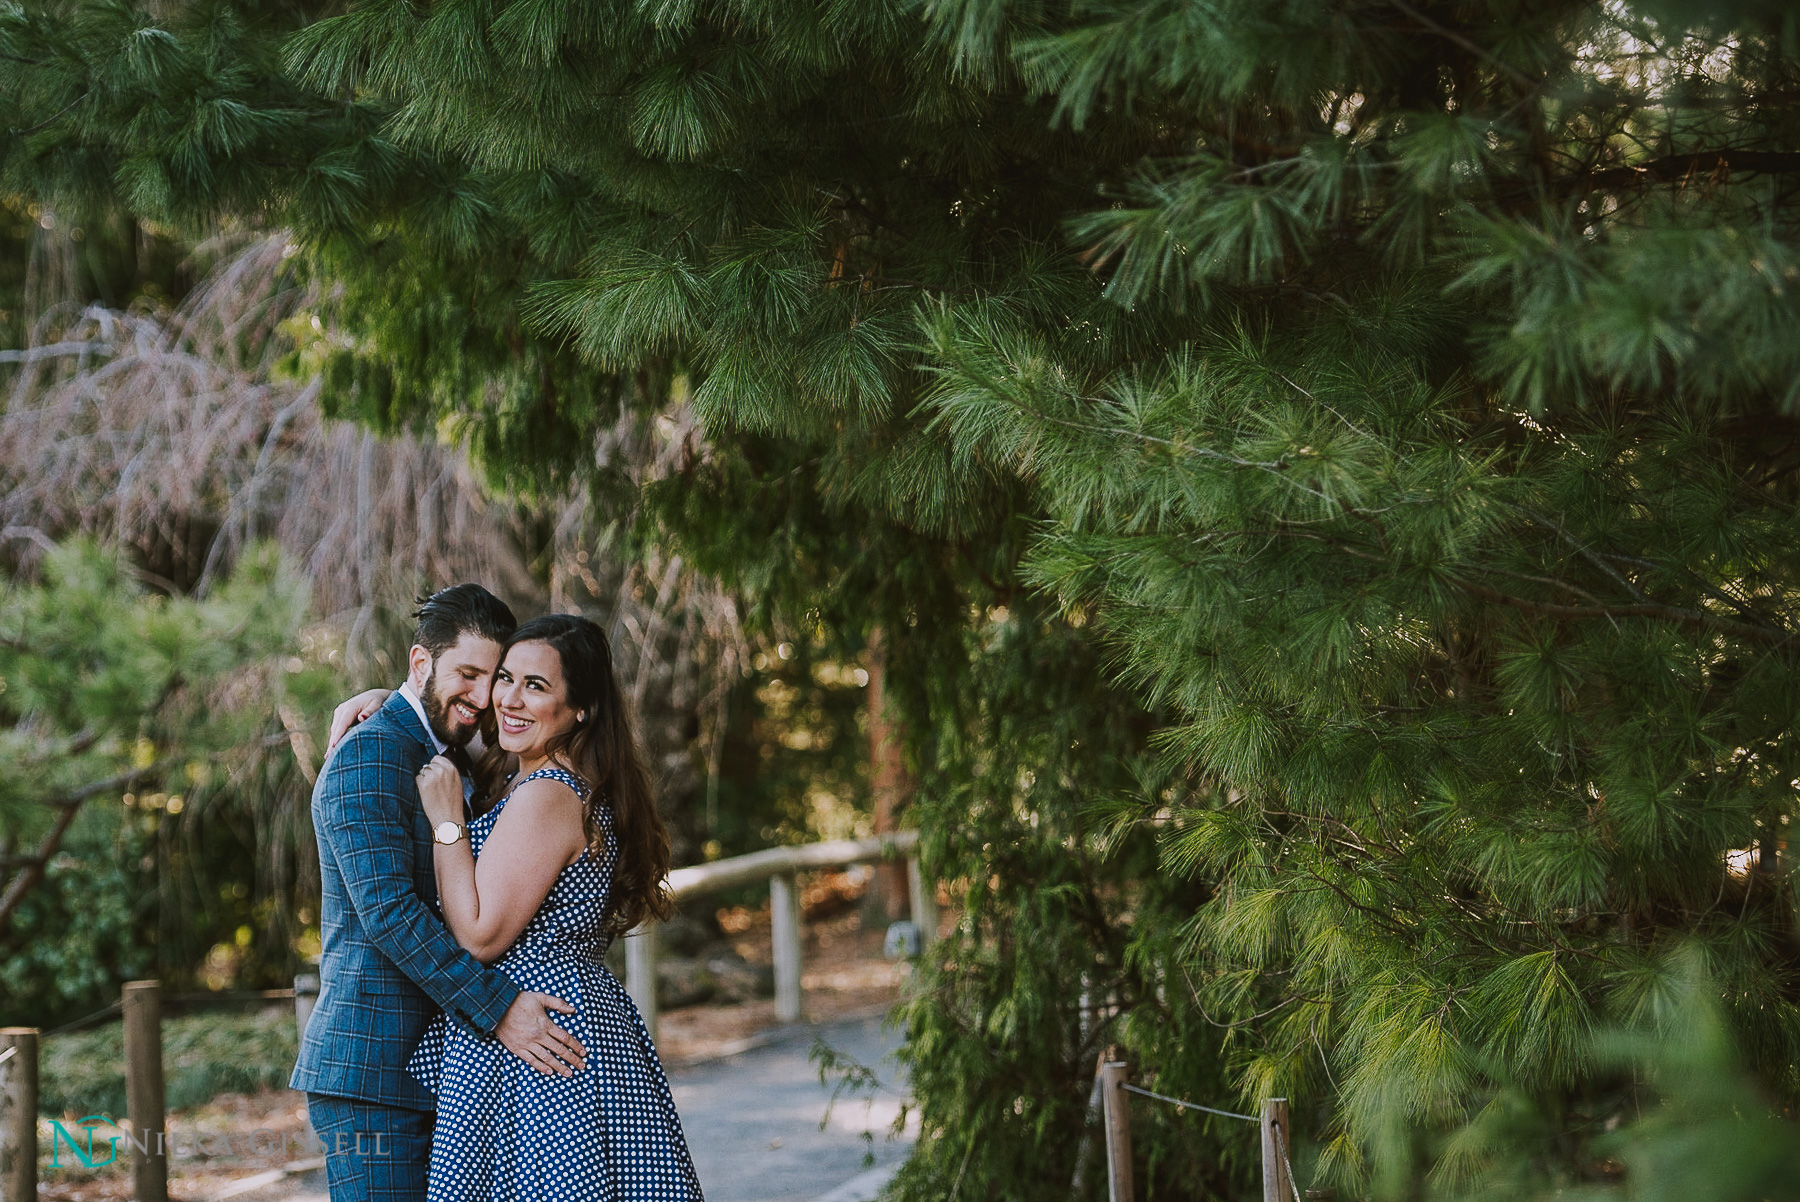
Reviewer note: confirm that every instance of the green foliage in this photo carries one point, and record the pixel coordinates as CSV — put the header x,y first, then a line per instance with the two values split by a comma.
x,y
1460,772
50,258
1068,942
1400,395
1689,1124
153,718
204,1054
792,767
179,115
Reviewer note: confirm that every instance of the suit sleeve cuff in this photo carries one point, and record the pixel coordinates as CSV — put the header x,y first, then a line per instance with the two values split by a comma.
x,y
500,1000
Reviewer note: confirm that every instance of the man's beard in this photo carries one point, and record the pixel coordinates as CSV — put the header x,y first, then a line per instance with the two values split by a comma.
x,y
438,714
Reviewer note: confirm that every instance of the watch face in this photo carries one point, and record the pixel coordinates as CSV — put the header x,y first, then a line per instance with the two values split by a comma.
x,y
448,832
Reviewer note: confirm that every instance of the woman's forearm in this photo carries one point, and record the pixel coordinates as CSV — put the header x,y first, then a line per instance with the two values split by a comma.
x,y
441,795
519,862
460,900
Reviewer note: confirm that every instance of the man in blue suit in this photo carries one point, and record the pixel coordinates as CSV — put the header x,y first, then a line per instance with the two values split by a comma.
x,y
389,963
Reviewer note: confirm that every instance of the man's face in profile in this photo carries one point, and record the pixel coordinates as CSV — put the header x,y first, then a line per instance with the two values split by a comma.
x,y
458,687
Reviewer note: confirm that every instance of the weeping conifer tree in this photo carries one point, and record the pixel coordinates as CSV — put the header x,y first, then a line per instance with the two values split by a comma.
x,y
1326,473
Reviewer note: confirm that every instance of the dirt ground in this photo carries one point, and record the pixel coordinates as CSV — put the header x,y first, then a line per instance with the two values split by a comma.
x,y
236,1138
844,975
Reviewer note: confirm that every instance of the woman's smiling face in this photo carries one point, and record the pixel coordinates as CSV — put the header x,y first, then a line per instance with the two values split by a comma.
x,y
531,699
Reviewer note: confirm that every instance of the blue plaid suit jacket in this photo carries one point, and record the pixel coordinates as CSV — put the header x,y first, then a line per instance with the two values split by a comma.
x,y
389,963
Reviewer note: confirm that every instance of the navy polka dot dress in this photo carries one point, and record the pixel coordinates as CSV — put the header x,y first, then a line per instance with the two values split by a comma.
x,y
508,1133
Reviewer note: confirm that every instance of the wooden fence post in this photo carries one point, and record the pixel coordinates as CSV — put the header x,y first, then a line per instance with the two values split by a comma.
x,y
1277,1187
18,1114
924,902
144,1098
1113,1075
306,995
640,972
784,909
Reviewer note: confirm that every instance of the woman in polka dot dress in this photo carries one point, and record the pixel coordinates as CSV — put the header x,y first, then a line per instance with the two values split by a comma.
x,y
572,855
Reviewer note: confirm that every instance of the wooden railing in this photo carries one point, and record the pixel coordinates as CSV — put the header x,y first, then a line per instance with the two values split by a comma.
x,y
778,866
141,1003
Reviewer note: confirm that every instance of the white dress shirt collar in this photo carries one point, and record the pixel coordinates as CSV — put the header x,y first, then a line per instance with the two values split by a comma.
x,y
412,699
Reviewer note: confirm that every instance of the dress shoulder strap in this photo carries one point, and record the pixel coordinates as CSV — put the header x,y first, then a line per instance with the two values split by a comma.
x,y
560,774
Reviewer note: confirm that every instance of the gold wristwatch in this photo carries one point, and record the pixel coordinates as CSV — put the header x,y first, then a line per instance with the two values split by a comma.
x,y
448,832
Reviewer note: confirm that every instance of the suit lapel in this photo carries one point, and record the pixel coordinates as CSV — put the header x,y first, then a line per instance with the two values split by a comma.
x,y
397,715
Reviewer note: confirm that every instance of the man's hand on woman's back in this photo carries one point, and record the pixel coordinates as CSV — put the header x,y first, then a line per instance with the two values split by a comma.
x,y
528,1032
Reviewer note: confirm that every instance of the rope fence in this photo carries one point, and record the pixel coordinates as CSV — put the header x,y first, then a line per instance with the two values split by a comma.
x,y
85,1021
1110,1086
1183,1104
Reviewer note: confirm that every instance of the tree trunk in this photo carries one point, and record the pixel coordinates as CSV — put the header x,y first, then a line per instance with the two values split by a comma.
x,y
889,781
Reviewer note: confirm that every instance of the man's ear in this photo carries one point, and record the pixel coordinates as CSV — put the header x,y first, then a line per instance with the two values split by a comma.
x,y
418,667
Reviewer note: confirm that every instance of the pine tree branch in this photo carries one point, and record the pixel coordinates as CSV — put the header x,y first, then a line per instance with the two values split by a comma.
x,y
1699,581
52,119
1675,167
1363,841
1645,608
79,742
1247,1020
1548,581
1238,141
1381,918
33,871
1687,617
1283,532
1586,552
888,283
1275,466
44,542
1002,594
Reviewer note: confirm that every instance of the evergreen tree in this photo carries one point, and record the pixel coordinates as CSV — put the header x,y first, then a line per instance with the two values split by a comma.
x,y
143,752
1401,393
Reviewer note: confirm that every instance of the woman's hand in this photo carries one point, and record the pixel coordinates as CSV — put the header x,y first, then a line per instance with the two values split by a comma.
x,y
359,708
441,790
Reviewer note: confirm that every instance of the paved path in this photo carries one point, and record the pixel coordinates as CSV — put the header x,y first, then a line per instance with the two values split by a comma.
x,y
753,1122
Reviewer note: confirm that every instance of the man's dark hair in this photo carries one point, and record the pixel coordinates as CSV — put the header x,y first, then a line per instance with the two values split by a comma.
x,y
461,609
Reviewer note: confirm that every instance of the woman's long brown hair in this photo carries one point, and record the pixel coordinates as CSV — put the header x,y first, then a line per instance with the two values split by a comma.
x,y
603,752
